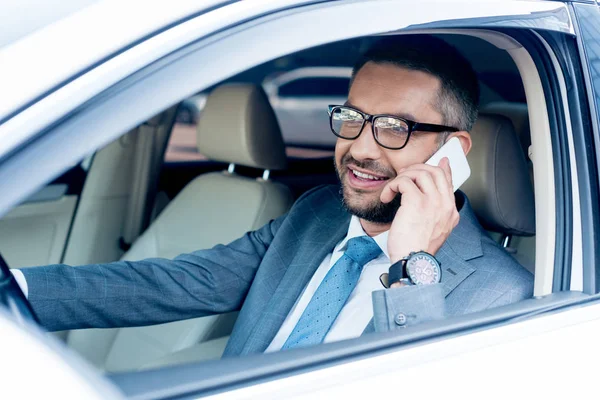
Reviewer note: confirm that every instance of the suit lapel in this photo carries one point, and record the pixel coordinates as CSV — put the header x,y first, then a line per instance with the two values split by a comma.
x,y
463,244
317,234
326,230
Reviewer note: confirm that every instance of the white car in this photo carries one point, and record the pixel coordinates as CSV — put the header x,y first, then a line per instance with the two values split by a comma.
x,y
89,96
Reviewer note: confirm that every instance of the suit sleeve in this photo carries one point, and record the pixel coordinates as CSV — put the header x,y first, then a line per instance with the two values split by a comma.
x,y
151,291
398,308
406,306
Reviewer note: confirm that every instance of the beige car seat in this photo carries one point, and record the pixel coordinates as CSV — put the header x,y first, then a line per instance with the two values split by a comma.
x,y
237,126
517,114
119,173
500,187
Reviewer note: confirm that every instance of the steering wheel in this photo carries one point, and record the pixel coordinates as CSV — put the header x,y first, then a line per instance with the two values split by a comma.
x,y
12,297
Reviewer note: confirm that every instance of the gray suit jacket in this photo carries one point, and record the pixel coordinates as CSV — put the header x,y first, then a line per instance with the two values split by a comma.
x,y
264,272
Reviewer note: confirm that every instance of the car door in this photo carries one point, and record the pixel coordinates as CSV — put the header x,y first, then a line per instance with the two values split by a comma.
x,y
367,376
150,89
587,28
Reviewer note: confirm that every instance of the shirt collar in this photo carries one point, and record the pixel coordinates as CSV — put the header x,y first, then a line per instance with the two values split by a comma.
x,y
355,229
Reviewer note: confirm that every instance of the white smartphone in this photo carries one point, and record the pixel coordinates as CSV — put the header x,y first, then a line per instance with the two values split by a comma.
x,y
458,161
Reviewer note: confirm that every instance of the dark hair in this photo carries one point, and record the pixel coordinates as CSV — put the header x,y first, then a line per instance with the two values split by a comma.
x,y
458,99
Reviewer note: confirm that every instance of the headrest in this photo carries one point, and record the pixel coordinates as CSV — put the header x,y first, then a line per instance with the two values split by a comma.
x,y
518,115
500,188
238,126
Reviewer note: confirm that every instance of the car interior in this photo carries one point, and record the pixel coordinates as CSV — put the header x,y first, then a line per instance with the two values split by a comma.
x,y
167,187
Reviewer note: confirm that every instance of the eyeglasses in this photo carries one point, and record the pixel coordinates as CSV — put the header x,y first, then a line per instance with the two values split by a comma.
x,y
389,131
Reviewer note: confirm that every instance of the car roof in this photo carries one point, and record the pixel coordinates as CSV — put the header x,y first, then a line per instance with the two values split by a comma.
x,y
43,51
19,21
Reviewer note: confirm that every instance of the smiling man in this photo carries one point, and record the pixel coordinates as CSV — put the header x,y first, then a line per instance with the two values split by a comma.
x,y
366,257
398,86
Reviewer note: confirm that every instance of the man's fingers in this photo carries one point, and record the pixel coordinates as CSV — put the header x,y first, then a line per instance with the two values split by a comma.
x,y
441,175
424,180
445,166
401,184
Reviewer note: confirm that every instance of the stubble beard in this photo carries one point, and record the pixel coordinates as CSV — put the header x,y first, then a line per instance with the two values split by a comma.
x,y
375,211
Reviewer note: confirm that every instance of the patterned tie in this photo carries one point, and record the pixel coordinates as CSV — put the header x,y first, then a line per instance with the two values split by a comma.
x,y
332,293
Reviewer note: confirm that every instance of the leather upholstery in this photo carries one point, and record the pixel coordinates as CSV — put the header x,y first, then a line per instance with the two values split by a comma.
x,y
500,188
518,115
239,126
212,209
209,211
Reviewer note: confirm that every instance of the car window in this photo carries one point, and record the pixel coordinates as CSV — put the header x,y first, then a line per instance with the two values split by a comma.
x,y
315,87
182,147
304,127
182,144
183,140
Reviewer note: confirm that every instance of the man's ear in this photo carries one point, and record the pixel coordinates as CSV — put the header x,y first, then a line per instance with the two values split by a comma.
x,y
465,140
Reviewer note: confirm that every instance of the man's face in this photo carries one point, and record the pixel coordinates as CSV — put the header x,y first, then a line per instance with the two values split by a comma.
x,y
385,89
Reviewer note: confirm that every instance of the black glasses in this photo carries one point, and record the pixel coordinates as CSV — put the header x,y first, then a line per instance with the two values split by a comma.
x,y
389,131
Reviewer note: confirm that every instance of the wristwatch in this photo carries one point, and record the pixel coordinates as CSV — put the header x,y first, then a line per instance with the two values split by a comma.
x,y
419,268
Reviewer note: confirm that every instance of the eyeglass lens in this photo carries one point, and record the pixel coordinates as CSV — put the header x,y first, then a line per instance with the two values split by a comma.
x,y
389,131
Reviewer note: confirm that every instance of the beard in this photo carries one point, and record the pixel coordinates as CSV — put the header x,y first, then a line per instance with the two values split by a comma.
x,y
375,211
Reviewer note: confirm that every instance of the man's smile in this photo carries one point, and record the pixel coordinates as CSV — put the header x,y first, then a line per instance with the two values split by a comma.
x,y
364,179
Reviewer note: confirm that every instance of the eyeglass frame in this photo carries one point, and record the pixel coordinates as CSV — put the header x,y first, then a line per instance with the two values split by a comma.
x,y
412,126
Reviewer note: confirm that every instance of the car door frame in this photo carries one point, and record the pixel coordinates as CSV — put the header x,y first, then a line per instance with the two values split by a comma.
x,y
585,18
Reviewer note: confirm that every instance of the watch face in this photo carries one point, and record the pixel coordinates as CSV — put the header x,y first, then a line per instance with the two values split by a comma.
x,y
423,269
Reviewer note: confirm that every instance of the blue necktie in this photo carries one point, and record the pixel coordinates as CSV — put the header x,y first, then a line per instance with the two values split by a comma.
x,y
332,293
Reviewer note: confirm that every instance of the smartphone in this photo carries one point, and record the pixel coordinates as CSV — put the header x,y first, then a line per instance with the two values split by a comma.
x,y
458,161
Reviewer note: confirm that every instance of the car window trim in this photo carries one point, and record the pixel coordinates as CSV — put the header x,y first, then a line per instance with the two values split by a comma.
x,y
560,155
581,134
591,274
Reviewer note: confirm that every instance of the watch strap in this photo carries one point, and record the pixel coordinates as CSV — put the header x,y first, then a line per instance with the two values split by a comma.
x,y
397,271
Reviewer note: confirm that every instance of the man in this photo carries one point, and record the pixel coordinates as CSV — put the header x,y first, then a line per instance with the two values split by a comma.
x,y
318,273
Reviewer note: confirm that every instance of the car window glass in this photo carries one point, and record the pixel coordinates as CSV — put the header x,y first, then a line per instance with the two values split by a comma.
x,y
182,146
305,129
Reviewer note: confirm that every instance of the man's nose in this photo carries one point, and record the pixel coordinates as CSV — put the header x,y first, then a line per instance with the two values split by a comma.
x,y
365,147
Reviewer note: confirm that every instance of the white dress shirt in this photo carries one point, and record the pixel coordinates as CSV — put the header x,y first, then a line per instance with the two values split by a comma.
x,y
20,278
358,310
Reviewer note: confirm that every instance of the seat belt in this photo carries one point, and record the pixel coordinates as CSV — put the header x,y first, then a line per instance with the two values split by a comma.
x,y
151,140
136,206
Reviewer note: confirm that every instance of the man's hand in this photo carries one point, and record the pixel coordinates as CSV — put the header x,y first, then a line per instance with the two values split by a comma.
x,y
427,213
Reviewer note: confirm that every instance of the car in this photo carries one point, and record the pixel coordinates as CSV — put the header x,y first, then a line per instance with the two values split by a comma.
x,y
299,98
85,118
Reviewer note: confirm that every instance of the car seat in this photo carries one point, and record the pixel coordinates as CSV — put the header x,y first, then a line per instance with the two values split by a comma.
x,y
239,127
500,187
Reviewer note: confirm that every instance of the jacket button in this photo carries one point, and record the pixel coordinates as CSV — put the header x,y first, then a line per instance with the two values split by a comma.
x,y
400,319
